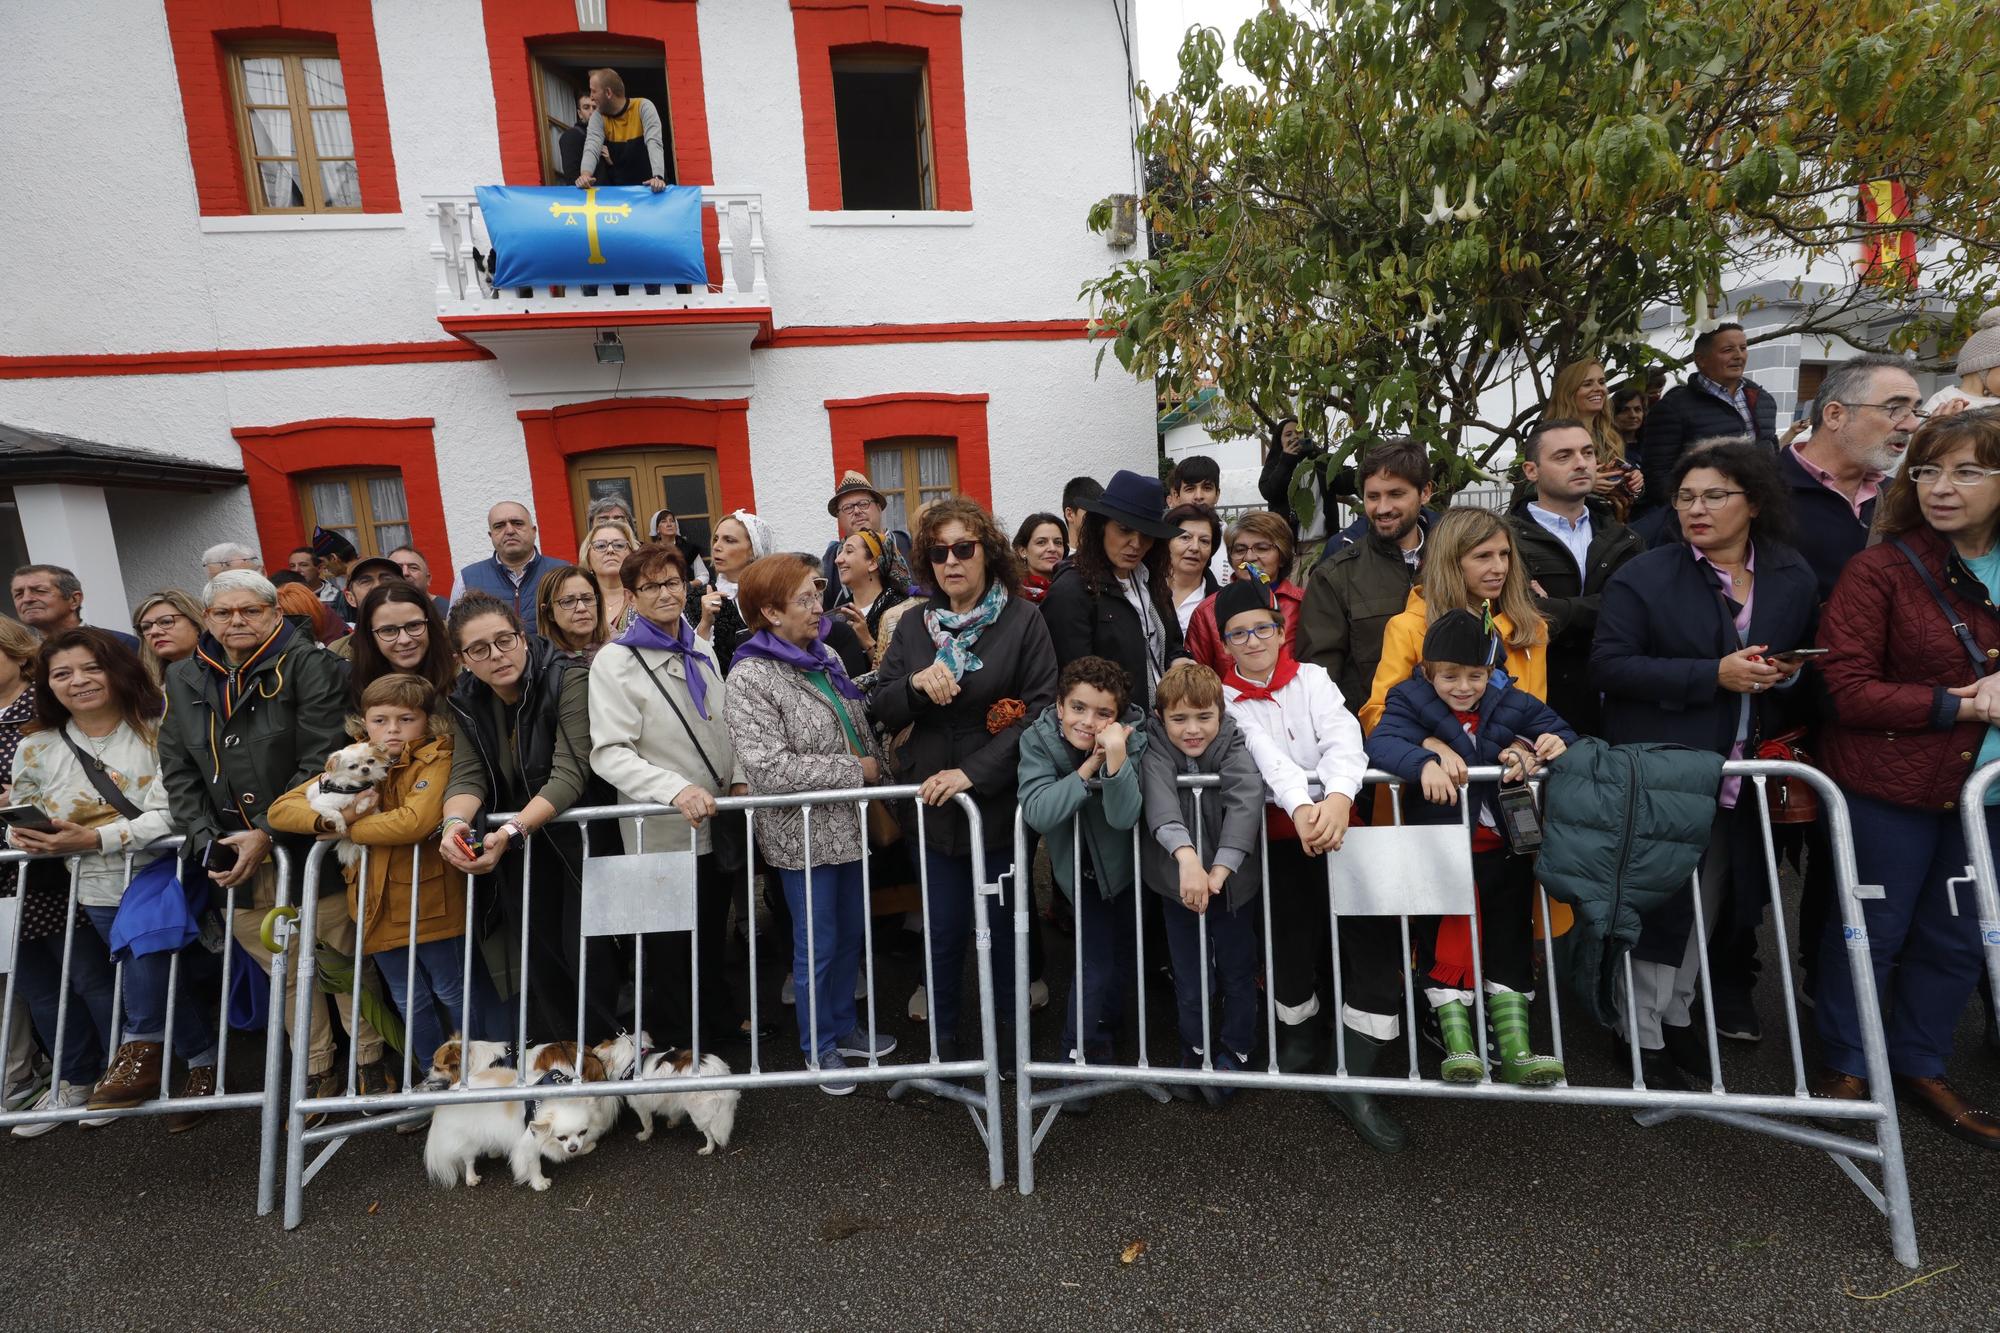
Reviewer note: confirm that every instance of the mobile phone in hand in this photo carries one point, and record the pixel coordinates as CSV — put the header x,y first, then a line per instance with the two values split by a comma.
x,y
218,857
26,816
1800,654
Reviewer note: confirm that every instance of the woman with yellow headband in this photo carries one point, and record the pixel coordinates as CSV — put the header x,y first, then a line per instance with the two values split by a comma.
x,y
873,580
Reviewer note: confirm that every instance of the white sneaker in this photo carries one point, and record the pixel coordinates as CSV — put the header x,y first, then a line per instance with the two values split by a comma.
x,y
788,993
59,1097
920,1006
1038,994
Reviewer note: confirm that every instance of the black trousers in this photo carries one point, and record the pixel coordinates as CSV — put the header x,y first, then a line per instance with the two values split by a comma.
x,y
671,959
560,963
1371,969
1506,885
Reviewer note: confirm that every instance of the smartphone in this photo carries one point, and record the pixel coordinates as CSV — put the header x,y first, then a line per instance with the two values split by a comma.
x,y
26,816
1520,820
469,845
218,856
1800,654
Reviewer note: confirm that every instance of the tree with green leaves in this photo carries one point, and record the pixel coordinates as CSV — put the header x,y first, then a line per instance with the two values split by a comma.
x,y
1411,203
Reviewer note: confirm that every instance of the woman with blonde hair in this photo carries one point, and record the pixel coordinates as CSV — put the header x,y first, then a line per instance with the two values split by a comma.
x,y
1471,564
168,624
1260,548
1581,393
605,547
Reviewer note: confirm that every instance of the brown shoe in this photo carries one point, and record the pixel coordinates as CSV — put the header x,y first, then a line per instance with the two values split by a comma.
x,y
1936,1098
375,1079
134,1078
326,1083
1839,1087
200,1083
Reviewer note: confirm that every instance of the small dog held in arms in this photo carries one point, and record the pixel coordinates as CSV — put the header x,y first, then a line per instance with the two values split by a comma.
x,y
713,1113
347,790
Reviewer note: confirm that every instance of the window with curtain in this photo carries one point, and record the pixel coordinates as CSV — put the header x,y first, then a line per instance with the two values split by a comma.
x,y
367,508
911,473
291,119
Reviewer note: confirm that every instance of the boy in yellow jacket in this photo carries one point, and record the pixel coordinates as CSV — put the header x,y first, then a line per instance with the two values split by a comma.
x,y
412,915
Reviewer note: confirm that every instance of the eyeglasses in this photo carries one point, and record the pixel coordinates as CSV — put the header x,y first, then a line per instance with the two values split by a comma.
x,y
410,629
1895,407
808,601
1239,637
233,614
1964,476
574,600
504,642
960,551
614,544
1253,548
856,508
1714,499
665,588
167,621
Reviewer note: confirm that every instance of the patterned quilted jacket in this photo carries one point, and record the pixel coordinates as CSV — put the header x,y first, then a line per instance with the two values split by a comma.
x,y
1895,734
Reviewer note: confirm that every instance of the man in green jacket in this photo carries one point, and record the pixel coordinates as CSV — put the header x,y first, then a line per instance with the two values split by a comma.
x,y
251,714
1366,578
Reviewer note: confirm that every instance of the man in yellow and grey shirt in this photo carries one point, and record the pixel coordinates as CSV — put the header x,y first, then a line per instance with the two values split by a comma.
x,y
629,129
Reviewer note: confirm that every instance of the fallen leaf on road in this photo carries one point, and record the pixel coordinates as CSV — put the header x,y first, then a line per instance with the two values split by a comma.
x,y
374,1208
1073,1285
1131,1251
1771,1239
1848,1288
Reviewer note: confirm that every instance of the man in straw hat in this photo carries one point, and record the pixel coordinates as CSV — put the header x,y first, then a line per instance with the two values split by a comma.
x,y
857,505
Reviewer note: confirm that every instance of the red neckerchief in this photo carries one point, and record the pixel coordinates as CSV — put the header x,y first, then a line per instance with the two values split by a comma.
x,y
1281,676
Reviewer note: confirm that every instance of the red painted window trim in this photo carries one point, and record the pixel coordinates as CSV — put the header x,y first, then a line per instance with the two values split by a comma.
x,y
958,417
274,455
202,32
555,434
512,25
819,27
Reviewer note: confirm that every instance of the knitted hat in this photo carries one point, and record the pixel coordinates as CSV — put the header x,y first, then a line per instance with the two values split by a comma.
x,y
1238,597
1459,638
1982,350
327,544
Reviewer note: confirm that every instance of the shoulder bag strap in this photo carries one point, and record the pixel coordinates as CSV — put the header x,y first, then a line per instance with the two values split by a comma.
x,y
99,779
705,762
1980,664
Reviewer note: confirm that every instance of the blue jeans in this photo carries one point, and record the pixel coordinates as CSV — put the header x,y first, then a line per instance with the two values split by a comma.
x,y
1927,961
949,903
431,1011
1234,955
1105,944
144,998
827,974
87,1027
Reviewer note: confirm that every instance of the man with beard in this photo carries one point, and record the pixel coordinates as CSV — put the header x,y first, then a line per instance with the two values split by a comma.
x,y
1571,543
1861,424
1359,585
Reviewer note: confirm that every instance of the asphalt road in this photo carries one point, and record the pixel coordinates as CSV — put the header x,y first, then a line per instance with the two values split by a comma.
x,y
862,1213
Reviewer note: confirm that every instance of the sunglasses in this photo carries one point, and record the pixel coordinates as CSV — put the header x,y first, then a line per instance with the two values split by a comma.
x,y
962,551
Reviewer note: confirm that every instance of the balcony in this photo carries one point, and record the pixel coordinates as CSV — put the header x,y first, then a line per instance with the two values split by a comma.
x,y
550,341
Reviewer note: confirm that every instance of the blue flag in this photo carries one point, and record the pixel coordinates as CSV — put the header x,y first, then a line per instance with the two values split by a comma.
x,y
548,234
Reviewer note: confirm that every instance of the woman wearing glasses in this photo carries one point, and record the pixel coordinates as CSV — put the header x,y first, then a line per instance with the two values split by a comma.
x,y
168,625
605,547
521,743
569,612
965,671
1260,541
1694,647
1914,638
398,629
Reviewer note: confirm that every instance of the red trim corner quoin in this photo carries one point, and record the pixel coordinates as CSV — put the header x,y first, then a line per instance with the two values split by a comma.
x,y
201,33
274,455
959,417
819,27
556,434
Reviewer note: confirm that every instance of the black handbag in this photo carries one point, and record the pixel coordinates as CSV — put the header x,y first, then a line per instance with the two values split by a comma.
x,y
729,833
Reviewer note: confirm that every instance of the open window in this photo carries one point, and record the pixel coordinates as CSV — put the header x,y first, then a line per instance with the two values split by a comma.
x,y
367,508
881,107
562,75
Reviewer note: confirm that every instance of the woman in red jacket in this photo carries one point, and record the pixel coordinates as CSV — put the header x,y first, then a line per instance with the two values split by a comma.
x,y
1915,639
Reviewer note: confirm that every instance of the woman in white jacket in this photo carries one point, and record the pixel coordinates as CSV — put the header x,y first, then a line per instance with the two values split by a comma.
x,y
658,735
96,711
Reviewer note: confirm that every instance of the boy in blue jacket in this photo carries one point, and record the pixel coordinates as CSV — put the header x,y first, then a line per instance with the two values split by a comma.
x,y
1458,711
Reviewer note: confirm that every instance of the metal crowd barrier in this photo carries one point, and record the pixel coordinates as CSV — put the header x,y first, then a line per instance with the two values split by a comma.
x,y
266,1100
1066,1080
1980,871
409,1105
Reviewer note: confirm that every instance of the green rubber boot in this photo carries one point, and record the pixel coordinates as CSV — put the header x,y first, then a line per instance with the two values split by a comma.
x,y
1461,1061
1298,1046
1511,1033
1377,1128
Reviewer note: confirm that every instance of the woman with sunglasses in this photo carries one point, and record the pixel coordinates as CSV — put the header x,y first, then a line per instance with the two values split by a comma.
x,y
398,629
1913,636
966,671
521,742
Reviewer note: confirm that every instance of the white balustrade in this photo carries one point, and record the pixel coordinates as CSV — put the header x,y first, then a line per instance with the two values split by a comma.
x,y
460,246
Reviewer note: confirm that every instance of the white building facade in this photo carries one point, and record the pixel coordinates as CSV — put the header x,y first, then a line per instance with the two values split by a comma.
x,y
265,263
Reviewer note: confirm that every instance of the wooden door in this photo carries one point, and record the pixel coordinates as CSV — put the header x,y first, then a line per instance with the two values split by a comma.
x,y
648,480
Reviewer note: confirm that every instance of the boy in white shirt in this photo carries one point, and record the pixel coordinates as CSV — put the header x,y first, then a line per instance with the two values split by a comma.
x,y
1299,730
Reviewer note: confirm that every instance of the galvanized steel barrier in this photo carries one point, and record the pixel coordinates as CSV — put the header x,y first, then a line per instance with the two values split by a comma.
x,y
1985,887
1078,1077
267,1100
408,1105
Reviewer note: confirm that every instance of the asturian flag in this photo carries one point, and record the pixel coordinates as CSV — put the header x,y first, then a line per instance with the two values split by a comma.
x,y
548,234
